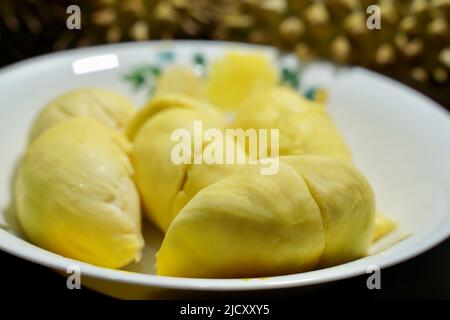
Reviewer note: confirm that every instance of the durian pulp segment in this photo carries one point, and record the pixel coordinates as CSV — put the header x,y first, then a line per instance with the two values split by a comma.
x,y
304,126
107,106
250,225
181,80
165,186
238,76
76,197
383,226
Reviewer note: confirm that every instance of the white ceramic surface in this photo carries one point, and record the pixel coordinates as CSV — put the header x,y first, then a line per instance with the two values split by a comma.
x,y
399,138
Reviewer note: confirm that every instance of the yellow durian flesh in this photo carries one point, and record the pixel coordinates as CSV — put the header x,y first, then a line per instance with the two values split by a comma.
x,y
346,202
245,225
158,178
181,80
107,106
199,176
304,126
315,212
237,76
383,226
173,101
305,129
75,195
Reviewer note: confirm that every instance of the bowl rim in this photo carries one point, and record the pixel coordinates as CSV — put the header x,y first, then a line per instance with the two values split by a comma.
x,y
60,263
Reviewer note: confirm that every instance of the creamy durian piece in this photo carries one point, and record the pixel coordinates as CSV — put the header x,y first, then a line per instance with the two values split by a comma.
x,y
158,177
199,176
346,202
75,194
315,212
383,226
304,126
245,225
107,106
305,129
238,76
181,80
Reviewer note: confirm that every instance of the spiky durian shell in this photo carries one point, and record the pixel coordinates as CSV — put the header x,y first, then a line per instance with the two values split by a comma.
x,y
413,43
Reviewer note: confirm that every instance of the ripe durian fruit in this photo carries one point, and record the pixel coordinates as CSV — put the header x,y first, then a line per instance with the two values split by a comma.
x,y
178,79
162,182
315,212
304,126
383,226
305,129
75,194
346,202
238,76
107,106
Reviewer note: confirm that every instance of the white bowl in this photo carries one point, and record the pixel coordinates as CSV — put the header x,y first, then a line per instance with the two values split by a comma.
x,y
399,139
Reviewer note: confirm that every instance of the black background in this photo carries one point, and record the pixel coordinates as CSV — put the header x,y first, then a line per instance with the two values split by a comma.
x,y
424,277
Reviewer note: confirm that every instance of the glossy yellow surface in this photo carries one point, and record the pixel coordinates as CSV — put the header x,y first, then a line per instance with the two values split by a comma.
x,y
249,225
383,226
158,178
237,76
107,106
346,202
305,126
178,79
75,195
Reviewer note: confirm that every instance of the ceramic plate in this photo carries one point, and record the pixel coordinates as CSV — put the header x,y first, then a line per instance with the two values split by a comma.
x,y
398,137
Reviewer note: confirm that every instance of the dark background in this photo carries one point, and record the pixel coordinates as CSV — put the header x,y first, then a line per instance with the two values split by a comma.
x,y
29,28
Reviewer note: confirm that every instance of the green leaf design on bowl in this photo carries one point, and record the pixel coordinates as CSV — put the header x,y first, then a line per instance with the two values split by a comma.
x,y
166,56
310,93
290,77
144,76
